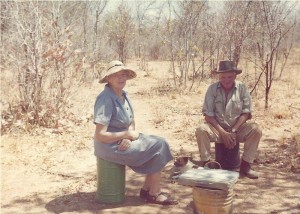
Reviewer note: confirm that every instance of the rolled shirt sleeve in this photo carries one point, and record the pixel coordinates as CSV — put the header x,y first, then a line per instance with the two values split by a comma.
x,y
208,105
246,98
247,103
103,110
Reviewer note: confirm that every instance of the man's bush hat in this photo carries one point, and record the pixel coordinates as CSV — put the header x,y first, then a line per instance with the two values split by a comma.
x,y
227,66
114,67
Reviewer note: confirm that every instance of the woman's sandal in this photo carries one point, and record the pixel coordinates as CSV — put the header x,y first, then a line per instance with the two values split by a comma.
x,y
153,199
145,193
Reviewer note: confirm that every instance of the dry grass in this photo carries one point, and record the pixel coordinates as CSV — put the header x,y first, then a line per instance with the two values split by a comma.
x,y
282,113
296,139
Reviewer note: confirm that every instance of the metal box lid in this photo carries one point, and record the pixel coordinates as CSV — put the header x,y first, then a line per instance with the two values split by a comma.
x,y
209,178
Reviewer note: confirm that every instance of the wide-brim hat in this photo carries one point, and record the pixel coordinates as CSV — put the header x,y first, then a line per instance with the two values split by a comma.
x,y
227,66
115,67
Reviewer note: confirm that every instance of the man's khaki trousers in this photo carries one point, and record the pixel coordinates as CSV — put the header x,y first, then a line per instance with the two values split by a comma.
x,y
248,133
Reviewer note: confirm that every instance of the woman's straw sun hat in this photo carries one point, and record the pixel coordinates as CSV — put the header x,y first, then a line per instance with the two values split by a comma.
x,y
114,67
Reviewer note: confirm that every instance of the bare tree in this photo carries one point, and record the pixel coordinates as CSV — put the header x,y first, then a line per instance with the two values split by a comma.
x,y
181,35
29,29
40,43
144,36
168,33
274,29
97,8
208,49
121,29
92,30
238,26
142,8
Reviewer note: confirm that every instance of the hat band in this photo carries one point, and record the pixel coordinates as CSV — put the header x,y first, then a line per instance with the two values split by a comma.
x,y
115,66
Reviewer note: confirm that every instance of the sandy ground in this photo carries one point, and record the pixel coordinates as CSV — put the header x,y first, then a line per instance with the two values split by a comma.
x,y
55,172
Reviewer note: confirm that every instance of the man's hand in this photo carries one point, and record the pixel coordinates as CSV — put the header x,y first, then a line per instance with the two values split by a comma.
x,y
229,139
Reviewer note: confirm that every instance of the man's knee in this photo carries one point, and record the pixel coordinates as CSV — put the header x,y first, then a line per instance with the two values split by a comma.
x,y
256,129
201,129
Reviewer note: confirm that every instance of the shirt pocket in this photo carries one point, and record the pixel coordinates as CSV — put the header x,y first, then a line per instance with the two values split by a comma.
x,y
236,107
122,116
219,104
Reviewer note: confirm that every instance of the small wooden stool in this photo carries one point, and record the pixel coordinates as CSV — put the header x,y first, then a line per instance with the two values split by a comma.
x,y
110,182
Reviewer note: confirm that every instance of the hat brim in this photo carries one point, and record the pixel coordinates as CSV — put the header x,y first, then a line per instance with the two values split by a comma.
x,y
130,73
237,71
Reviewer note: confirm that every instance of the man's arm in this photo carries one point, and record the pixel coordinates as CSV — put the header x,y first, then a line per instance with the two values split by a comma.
x,y
228,138
241,120
212,121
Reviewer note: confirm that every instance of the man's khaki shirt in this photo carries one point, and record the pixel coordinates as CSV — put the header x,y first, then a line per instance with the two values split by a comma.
x,y
227,111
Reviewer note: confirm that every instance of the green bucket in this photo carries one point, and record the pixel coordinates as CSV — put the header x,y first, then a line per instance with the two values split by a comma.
x,y
110,182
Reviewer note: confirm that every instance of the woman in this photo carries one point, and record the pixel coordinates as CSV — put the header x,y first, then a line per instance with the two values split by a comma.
x,y
117,141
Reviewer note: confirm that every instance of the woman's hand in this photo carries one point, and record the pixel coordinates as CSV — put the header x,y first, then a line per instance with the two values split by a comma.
x,y
124,144
132,135
104,136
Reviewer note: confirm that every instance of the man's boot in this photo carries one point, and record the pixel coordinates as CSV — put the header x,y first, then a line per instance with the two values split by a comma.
x,y
245,169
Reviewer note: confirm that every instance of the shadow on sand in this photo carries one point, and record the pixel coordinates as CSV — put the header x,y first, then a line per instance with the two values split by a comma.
x,y
86,201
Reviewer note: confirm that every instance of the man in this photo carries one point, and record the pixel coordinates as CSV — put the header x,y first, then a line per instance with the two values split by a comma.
x,y
227,108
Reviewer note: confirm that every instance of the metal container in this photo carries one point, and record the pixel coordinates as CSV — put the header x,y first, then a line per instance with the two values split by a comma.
x,y
228,158
110,182
212,201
